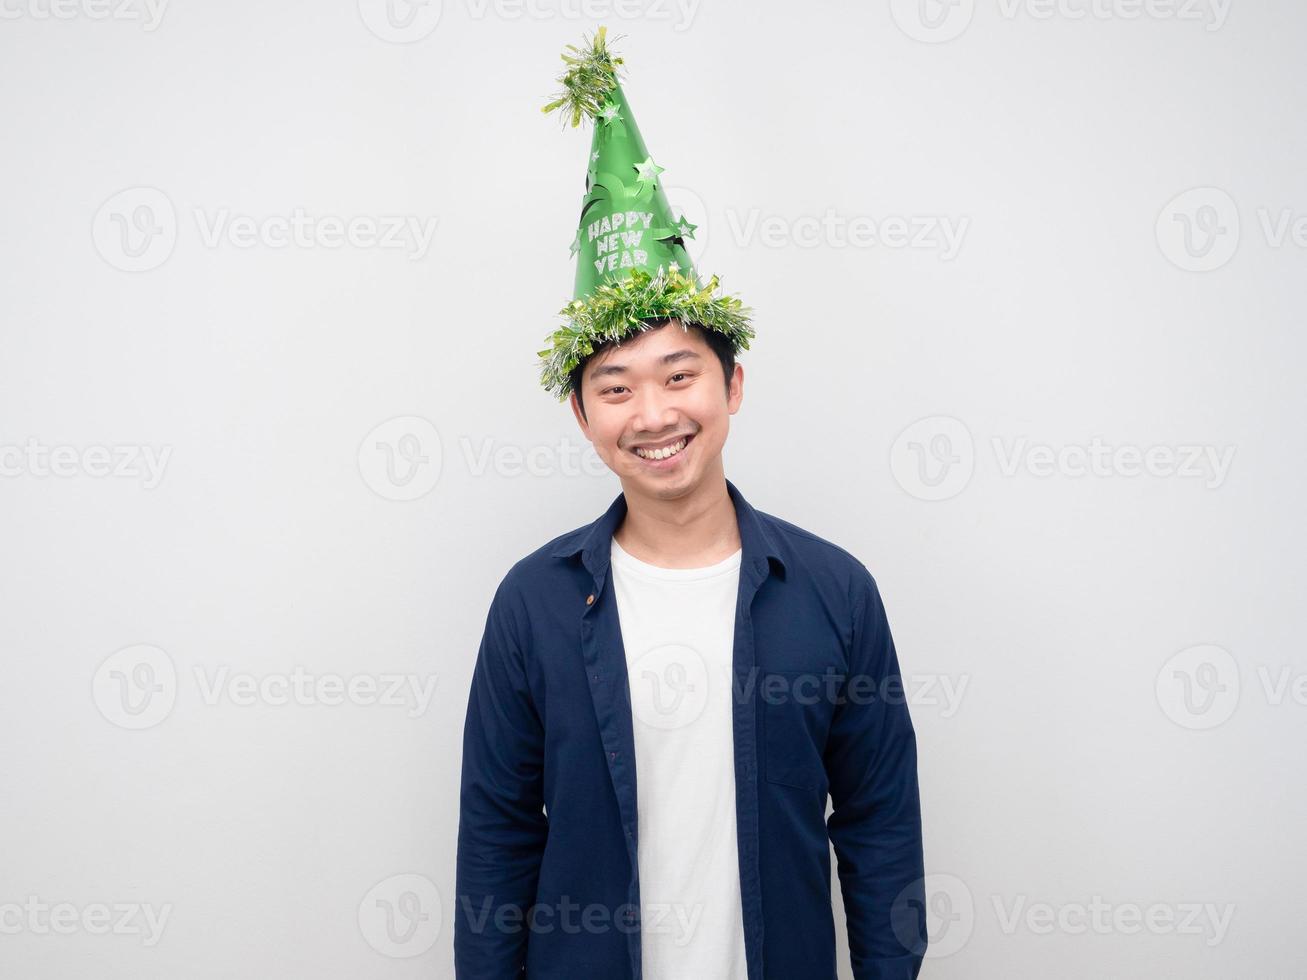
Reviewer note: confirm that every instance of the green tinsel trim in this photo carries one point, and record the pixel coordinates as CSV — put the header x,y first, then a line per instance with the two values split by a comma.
x,y
592,75
617,310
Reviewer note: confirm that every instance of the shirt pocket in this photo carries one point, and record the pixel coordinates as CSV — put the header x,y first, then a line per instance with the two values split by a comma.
x,y
796,707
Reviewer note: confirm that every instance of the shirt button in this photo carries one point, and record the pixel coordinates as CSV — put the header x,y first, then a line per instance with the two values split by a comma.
x,y
589,600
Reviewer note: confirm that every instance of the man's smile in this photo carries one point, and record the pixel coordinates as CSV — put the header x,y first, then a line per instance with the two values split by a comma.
x,y
664,452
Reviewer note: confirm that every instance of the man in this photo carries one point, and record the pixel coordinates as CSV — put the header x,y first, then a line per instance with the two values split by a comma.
x,y
664,699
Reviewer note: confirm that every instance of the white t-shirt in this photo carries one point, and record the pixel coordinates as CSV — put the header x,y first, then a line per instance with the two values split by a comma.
x,y
678,628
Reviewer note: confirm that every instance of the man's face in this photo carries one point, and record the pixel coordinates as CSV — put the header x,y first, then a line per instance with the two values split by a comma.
x,y
660,387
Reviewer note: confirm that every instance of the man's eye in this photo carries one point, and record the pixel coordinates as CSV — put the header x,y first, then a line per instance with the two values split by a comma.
x,y
609,391
680,374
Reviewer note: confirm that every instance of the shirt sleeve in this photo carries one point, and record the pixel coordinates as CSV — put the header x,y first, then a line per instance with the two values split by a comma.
x,y
502,826
875,823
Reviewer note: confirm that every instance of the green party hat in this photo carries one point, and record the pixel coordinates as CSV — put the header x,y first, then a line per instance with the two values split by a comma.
x,y
632,264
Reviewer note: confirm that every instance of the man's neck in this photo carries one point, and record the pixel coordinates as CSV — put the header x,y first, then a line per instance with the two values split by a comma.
x,y
691,531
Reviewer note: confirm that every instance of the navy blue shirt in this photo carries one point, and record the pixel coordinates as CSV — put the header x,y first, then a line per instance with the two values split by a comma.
x,y
547,876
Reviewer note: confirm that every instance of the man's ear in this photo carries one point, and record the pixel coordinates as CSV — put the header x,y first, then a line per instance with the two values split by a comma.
x,y
580,418
736,395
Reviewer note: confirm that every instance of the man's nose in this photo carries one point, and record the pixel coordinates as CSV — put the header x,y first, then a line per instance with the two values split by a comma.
x,y
655,410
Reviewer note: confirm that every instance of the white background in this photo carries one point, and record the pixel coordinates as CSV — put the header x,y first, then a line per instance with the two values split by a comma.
x,y
968,419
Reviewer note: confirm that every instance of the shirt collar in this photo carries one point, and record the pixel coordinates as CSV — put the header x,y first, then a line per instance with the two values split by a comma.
x,y
759,545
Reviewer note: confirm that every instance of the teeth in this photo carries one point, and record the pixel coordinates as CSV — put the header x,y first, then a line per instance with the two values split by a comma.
x,y
671,450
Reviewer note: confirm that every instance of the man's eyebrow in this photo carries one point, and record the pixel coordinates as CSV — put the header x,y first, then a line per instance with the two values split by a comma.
x,y
608,370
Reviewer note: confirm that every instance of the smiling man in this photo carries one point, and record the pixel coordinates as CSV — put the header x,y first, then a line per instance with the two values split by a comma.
x,y
735,668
